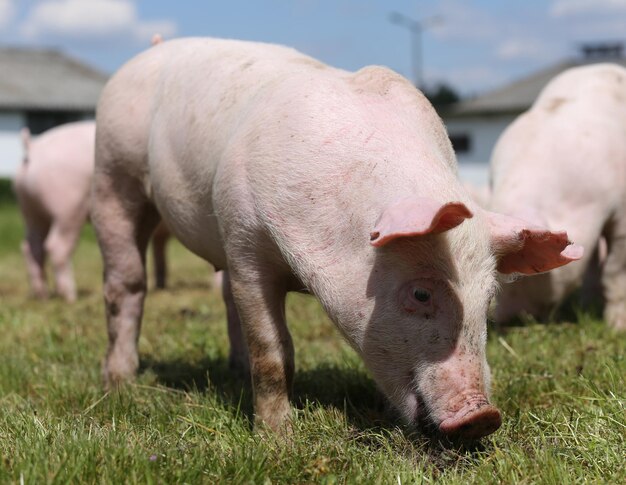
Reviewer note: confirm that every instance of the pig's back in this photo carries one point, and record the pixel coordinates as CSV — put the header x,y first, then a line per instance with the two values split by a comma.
x,y
58,172
208,86
169,116
267,124
187,80
602,86
571,145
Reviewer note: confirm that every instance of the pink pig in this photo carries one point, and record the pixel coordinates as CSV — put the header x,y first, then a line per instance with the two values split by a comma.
x,y
563,164
52,188
294,175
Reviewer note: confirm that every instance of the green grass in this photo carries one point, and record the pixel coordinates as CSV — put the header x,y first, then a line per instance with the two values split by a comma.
x,y
561,387
7,195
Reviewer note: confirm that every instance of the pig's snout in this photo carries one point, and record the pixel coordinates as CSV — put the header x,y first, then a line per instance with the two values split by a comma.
x,y
475,419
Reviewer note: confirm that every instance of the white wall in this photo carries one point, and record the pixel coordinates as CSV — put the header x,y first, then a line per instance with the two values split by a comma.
x,y
477,174
10,142
483,131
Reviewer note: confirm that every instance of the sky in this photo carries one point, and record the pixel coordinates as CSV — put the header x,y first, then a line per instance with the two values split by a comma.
x,y
472,45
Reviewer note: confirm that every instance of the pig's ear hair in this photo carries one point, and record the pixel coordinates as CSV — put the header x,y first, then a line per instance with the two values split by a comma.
x,y
156,39
524,248
416,217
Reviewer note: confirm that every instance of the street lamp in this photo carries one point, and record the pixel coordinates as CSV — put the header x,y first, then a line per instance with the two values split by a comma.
x,y
416,28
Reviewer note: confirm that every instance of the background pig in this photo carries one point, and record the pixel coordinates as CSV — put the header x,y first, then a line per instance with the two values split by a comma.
x,y
563,164
52,188
479,193
294,175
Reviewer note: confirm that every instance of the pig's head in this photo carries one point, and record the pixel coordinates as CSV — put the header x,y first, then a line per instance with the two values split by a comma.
x,y
433,276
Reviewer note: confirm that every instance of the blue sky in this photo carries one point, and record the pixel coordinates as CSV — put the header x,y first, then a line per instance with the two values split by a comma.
x,y
476,46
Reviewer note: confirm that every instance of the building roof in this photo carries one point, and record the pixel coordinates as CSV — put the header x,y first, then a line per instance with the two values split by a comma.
x,y
46,79
518,96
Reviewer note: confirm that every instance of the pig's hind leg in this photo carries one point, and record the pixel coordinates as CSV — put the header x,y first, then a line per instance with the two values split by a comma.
x,y
124,220
614,273
35,256
60,245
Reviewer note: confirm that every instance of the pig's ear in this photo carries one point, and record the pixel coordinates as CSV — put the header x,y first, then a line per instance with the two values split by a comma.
x,y
416,217
524,248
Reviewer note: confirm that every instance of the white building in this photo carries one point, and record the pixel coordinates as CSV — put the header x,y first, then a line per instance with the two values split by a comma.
x,y
474,125
41,88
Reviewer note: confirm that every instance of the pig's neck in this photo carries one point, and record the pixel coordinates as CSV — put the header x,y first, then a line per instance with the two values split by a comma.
x,y
326,260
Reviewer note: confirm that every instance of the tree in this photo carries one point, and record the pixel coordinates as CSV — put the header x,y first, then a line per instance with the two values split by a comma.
x,y
441,95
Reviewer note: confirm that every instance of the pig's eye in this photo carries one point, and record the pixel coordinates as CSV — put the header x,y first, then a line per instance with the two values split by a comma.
x,y
421,295
415,297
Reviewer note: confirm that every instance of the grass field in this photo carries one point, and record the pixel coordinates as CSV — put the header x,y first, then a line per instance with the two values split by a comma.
x,y
561,387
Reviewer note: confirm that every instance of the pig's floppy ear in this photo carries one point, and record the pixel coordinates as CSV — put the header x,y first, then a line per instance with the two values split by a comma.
x,y
416,217
524,248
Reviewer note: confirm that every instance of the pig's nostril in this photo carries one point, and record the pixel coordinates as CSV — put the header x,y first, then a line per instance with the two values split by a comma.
x,y
473,424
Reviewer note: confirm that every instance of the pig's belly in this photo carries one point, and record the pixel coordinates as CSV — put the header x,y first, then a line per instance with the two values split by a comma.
x,y
192,220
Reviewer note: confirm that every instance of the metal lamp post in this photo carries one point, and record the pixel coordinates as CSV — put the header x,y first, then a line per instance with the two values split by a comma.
x,y
415,28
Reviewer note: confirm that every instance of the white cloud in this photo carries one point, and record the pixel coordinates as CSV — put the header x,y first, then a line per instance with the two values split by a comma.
x,y
463,22
92,19
562,8
6,11
523,49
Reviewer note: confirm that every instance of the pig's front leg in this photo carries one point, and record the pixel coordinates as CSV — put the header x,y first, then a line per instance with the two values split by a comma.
x,y
60,244
614,274
159,244
260,300
238,359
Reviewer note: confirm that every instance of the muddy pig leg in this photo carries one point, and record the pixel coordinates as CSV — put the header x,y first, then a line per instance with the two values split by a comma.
x,y
124,220
159,245
614,273
260,300
238,358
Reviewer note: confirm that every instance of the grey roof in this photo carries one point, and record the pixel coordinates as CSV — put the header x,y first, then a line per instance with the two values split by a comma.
x,y
517,96
46,79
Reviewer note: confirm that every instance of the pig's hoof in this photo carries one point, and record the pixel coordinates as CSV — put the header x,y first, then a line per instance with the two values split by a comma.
x,y
616,317
472,424
277,428
115,373
273,413
69,298
113,382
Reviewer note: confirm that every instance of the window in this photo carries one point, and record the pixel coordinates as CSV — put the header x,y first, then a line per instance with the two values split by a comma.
x,y
461,143
40,121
